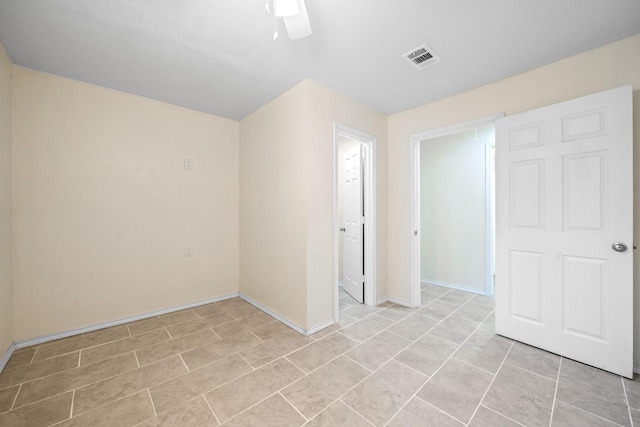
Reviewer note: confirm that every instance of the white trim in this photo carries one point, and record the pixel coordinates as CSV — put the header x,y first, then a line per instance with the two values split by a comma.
x,y
452,286
399,301
414,191
7,356
320,327
52,337
272,313
370,191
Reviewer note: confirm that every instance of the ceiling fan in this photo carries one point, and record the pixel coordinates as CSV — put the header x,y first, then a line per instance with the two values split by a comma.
x,y
294,15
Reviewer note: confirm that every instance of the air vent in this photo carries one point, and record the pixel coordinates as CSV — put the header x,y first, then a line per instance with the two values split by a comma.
x,y
422,57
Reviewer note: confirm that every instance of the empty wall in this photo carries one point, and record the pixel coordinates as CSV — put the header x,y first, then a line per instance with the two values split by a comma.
x,y
6,306
600,69
103,206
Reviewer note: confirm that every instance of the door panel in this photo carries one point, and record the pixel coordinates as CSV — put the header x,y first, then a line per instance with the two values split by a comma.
x,y
564,195
353,253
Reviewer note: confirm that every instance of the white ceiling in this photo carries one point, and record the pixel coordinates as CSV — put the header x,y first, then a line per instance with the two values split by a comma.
x,y
218,56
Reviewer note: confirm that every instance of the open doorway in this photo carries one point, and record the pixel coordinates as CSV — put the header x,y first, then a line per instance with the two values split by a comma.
x,y
453,208
354,216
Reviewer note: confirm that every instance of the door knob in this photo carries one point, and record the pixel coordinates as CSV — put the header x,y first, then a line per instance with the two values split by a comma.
x,y
343,229
619,247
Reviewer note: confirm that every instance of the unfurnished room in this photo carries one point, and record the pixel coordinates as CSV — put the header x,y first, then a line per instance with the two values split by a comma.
x,y
319,213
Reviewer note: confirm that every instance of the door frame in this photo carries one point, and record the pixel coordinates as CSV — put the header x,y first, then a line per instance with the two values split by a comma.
x,y
370,203
414,196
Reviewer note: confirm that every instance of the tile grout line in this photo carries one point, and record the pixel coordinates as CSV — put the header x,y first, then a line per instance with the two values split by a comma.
x,y
555,392
292,405
502,415
491,384
591,413
73,401
15,398
153,406
626,399
211,409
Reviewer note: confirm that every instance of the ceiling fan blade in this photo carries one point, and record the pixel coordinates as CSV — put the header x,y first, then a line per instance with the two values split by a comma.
x,y
298,26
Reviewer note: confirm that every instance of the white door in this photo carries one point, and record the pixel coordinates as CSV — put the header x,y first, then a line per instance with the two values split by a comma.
x,y
353,253
564,199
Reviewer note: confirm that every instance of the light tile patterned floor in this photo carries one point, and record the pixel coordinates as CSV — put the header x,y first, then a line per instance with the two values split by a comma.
x,y
229,363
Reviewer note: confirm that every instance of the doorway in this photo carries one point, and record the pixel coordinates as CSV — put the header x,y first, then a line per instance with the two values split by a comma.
x,y
453,207
346,139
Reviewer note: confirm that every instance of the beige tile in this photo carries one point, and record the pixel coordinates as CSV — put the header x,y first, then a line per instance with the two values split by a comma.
x,y
7,396
395,312
456,389
427,297
360,311
382,394
475,312
147,325
413,327
427,354
593,390
23,373
193,413
489,325
635,416
483,351
105,351
438,309
454,329
567,415
236,326
196,325
456,297
271,350
271,330
273,412
124,412
74,378
43,413
71,344
485,417
169,394
632,388
521,396
483,300
366,328
535,360
419,413
314,392
209,309
208,353
376,351
439,290
338,414
165,349
102,392
321,351
230,399
20,357
344,321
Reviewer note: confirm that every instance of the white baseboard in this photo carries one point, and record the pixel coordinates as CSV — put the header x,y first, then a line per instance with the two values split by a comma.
x,y
52,337
271,313
7,356
453,286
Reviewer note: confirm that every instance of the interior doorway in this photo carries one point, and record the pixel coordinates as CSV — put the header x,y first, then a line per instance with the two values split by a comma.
x,y
348,140
453,207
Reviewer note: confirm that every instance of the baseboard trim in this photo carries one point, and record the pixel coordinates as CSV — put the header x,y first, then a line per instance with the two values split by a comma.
x,y
452,286
52,337
399,301
272,313
7,356
321,327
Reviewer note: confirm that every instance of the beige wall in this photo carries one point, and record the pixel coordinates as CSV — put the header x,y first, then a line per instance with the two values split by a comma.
x,y
6,304
325,108
286,200
600,69
103,207
273,215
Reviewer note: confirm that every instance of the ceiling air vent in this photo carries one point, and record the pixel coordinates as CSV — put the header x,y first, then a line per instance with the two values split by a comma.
x,y
422,57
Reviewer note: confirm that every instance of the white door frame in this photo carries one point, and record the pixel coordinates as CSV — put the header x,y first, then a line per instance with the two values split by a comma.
x,y
414,195
370,203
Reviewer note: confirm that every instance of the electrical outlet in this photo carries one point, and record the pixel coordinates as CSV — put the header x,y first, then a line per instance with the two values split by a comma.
x,y
188,164
188,250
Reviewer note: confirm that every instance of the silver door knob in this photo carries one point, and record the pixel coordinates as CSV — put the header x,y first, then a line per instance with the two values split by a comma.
x,y
619,247
343,229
